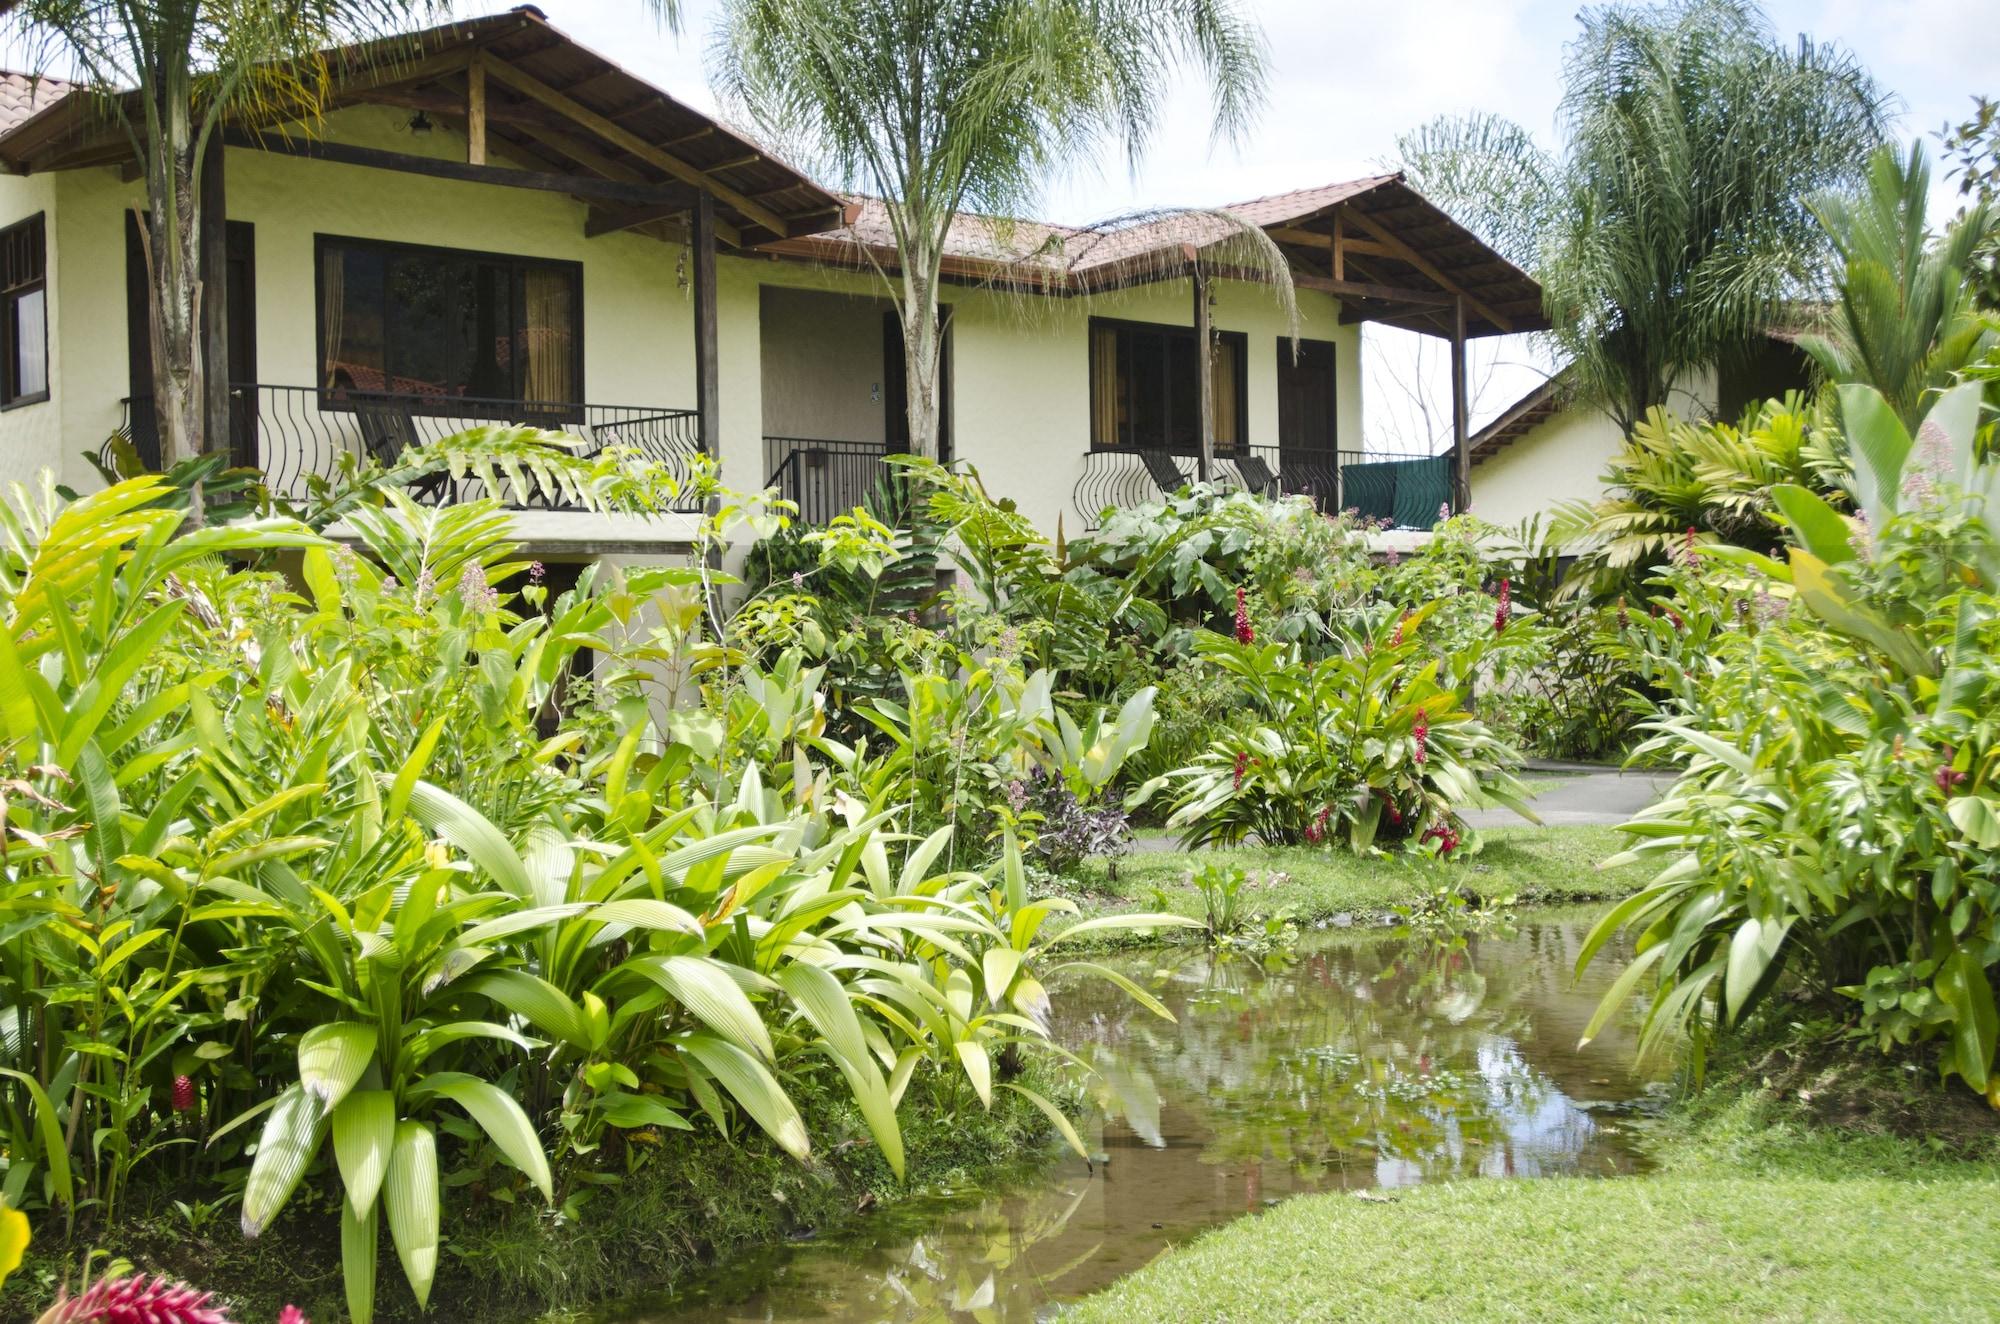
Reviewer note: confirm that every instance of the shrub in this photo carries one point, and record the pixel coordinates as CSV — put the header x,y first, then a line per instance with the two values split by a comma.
x,y
1837,823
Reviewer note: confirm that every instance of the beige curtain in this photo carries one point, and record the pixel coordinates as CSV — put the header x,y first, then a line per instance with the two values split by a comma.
x,y
1104,386
333,291
1222,376
548,339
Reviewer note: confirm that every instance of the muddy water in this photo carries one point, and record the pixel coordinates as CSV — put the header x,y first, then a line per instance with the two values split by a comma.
x,y
1366,1062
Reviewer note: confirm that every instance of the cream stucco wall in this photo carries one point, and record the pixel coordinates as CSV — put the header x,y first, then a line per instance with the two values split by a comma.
x,y
31,434
1563,459
1020,403
822,365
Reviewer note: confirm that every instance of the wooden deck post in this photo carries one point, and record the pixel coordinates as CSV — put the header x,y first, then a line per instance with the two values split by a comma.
x,y
1461,431
1204,369
706,364
475,111
213,333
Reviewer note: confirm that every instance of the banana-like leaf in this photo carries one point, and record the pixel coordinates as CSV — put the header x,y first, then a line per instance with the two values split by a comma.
x,y
825,1005
978,1065
411,1195
706,989
360,1237
536,1001
1055,1115
332,1058
54,1153
754,1088
472,832
503,1121
292,1133
364,1129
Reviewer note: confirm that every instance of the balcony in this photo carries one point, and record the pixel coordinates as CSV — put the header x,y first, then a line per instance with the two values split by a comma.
x,y
1406,491
824,477
294,433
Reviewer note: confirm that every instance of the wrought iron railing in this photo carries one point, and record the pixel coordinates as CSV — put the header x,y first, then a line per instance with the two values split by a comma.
x,y
825,477
1405,491
296,432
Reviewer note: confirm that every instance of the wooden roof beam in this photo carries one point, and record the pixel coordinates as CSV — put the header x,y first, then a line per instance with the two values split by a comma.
x,y
536,90
1403,252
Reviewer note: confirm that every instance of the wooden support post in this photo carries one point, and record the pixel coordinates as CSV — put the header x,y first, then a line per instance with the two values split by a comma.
x,y
1204,370
475,111
1461,430
213,333
707,368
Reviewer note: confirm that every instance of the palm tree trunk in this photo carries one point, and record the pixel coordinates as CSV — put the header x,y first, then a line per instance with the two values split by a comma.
x,y
172,250
922,342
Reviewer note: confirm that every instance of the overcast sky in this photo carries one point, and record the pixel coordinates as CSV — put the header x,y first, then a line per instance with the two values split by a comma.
x,y
1346,76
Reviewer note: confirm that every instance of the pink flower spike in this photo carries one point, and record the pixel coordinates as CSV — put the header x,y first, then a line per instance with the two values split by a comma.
x,y
292,1315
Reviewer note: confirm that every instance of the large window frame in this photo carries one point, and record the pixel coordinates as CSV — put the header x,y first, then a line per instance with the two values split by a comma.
x,y
1234,343
24,275
457,406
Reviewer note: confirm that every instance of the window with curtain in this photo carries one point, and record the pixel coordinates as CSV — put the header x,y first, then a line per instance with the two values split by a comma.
x,y
446,325
24,313
1144,393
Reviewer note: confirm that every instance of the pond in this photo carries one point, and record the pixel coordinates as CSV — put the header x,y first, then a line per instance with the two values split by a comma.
x,y
1368,1061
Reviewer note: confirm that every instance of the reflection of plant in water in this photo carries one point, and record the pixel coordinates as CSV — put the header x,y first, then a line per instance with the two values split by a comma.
x,y
1357,1053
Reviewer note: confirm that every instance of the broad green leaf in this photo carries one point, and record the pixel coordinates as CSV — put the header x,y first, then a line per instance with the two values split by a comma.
x,y
55,1154
999,965
364,1129
1752,948
360,1237
503,1121
411,1195
536,1001
1820,528
332,1058
1978,818
754,1088
1975,1028
292,1134
1055,1115
472,832
705,988
978,1066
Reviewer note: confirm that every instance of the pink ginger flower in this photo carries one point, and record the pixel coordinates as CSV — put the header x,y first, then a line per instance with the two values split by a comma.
x,y
135,1299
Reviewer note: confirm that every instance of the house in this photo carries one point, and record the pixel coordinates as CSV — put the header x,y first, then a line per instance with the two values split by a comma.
x,y
1548,448
492,222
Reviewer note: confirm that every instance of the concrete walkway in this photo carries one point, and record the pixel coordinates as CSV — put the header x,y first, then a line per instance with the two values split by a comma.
x,y
1598,797
1588,795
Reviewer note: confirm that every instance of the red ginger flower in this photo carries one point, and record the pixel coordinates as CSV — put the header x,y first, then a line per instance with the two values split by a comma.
x,y
1244,634
1689,556
1242,767
1422,732
1947,777
1503,612
1396,639
1316,830
136,1300
292,1315
183,1093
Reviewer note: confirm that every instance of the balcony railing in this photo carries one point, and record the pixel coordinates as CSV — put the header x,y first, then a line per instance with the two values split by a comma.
x,y
1406,491
295,432
825,477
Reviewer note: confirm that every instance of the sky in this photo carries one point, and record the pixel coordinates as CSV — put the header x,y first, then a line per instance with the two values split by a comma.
x,y
1346,76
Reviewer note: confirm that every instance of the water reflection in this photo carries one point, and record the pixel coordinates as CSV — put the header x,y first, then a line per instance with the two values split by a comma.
x,y
1368,1061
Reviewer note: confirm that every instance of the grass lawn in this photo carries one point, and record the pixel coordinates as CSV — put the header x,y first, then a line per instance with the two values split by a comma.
x,y
1531,864
1754,1214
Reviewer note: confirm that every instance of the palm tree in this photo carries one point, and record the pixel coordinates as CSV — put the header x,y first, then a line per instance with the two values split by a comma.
x,y
1672,227
1906,320
948,106
169,73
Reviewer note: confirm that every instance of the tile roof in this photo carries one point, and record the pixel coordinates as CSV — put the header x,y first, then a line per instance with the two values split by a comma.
x,y
22,95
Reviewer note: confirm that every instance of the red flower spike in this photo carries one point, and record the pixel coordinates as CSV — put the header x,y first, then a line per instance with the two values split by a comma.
x,y
1396,639
136,1300
183,1093
1242,767
292,1315
1422,733
1505,611
1244,634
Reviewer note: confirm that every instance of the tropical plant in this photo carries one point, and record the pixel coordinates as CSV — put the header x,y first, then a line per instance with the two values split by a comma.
x,y
1714,479
1670,230
944,107
1836,828
1906,320
1375,741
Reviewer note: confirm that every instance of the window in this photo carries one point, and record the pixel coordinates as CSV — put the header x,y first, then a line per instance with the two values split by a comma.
x,y
447,325
24,313
1143,391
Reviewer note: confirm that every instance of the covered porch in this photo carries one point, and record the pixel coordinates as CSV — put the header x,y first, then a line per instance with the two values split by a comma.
x,y
428,256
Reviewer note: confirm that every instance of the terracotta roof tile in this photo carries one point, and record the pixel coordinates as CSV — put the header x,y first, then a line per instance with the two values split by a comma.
x,y
22,95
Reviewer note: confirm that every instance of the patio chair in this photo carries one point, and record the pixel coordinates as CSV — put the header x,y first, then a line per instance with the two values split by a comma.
x,y
387,430
1256,475
1166,475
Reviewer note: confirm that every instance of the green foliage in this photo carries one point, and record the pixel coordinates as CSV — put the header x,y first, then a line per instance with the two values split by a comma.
x,y
1907,320
1373,740
1836,820
295,869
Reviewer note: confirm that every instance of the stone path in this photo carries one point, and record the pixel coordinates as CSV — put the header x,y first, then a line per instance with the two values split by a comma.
x,y
1588,795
